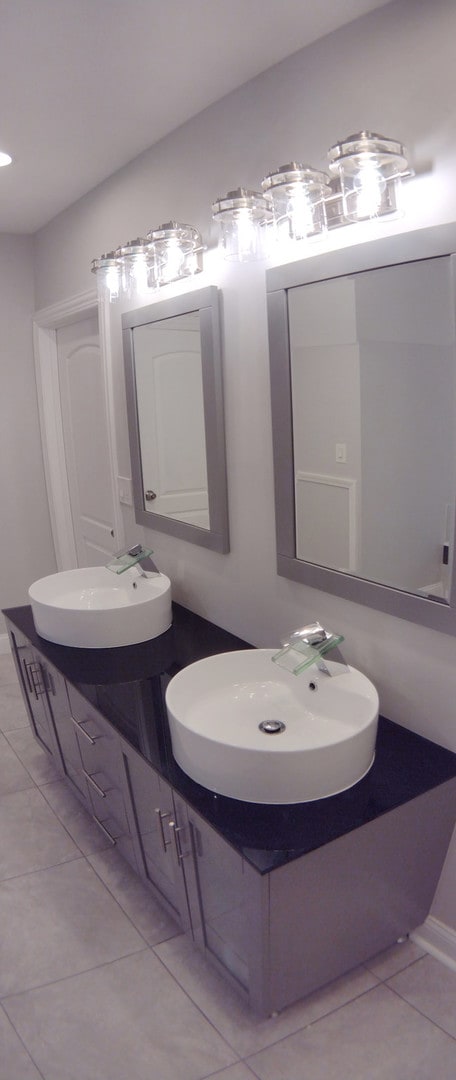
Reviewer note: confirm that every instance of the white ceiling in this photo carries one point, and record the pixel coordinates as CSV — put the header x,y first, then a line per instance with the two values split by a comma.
x,y
87,85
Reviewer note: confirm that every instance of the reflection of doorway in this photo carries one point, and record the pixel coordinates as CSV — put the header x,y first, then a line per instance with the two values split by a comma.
x,y
74,396
85,437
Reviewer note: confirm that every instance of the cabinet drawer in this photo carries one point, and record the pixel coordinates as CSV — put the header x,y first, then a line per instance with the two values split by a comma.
x,y
103,771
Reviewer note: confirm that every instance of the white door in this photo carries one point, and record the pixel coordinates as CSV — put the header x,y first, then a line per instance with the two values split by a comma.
x,y
169,381
86,441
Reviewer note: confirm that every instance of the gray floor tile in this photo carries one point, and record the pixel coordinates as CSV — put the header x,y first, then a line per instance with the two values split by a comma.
x,y
125,1021
235,1072
376,1037
13,713
226,1009
15,1062
7,669
13,776
148,916
74,817
37,762
394,959
31,838
430,987
61,921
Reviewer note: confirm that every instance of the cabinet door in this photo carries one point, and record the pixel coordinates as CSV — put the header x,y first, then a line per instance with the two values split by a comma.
x,y
228,906
66,732
155,817
31,670
102,764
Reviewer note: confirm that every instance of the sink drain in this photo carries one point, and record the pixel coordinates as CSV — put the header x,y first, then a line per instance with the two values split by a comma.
x,y
271,727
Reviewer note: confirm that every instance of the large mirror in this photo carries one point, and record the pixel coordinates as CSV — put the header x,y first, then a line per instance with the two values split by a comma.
x,y
363,379
173,373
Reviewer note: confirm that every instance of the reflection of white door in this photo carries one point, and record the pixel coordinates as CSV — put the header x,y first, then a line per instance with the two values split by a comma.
x,y
86,443
171,420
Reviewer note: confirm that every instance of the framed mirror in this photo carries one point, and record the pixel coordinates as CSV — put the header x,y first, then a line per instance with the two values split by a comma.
x,y
363,386
173,372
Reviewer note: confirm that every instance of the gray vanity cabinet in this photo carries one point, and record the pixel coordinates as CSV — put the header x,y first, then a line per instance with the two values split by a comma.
x,y
102,767
155,824
40,683
230,906
66,730
277,928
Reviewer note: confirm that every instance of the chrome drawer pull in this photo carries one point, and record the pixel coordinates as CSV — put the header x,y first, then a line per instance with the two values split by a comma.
x,y
34,678
176,830
94,784
80,728
104,830
161,815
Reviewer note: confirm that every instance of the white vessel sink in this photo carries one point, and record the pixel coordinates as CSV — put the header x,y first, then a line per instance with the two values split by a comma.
x,y
92,608
216,706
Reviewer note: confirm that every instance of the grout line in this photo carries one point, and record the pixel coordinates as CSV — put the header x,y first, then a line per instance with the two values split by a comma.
x,y
120,906
420,1012
199,1008
23,1044
65,978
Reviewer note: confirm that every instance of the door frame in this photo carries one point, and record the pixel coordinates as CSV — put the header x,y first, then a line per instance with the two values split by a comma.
x,y
46,322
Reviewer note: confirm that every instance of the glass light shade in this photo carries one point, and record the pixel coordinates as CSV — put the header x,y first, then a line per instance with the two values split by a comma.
x,y
107,269
334,205
370,168
173,251
133,267
5,159
242,216
298,198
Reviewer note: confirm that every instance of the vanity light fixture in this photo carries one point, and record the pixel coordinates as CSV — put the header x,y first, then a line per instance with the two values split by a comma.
x,y
170,252
369,168
132,258
298,195
243,215
5,159
174,251
107,269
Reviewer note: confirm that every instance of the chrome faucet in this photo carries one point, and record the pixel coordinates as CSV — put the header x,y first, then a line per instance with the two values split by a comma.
x,y
144,564
307,646
137,557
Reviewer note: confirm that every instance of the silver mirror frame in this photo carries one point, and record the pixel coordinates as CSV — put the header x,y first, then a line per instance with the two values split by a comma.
x,y
206,302
424,244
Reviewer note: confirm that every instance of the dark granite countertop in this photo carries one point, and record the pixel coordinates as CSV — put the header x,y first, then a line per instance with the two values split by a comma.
x,y
118,681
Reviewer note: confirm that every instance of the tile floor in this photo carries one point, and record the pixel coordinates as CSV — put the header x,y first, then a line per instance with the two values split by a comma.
x,y
96,983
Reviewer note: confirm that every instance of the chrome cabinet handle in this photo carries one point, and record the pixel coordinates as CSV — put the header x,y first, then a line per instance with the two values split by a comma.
x,y
161,815
94,784
109,836
176,830
78,725
27,676
34,678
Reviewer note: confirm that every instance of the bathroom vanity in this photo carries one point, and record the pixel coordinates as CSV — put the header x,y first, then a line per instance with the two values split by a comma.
x,y
281,899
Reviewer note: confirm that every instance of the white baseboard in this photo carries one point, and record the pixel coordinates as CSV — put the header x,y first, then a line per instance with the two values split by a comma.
x,y
437,939
4,644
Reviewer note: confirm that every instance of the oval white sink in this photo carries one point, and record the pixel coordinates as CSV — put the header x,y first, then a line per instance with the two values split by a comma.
x,y
92,608
216,706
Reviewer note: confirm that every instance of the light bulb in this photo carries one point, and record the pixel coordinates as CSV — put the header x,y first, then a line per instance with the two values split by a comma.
x,y
369,190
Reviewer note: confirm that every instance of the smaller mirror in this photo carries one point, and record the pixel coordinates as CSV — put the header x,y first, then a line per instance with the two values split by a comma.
x,y
173,371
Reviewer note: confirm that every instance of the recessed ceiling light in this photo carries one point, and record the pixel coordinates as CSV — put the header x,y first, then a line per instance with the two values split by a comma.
x,y
5,159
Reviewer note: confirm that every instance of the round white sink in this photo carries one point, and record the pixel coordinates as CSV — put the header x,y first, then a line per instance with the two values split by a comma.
x,y
243,727
92,608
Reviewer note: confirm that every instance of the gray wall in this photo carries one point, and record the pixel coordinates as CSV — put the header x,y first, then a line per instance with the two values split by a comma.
x,y
394,72
26,547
